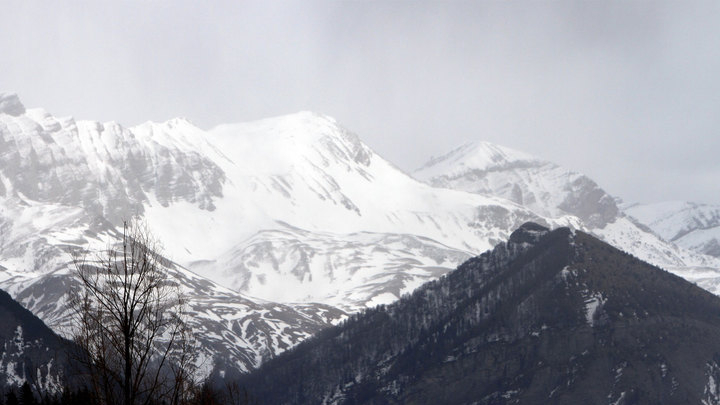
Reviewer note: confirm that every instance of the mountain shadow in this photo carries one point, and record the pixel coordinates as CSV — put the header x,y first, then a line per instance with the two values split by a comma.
x,y
547,317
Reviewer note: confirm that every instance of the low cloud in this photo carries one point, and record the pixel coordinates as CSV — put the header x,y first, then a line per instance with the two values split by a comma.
x,y
626,92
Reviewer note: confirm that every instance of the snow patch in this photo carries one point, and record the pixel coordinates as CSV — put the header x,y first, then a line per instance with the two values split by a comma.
x,y
711,392
593,304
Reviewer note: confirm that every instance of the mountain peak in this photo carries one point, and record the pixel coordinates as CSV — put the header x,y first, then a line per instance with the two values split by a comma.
x,y
542,186
550,323
310,116
179,121
176,122
529,232
293,140
10,104
478,155
306,124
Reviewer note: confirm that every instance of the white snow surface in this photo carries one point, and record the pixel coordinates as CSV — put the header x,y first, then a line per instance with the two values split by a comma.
x,y
593,303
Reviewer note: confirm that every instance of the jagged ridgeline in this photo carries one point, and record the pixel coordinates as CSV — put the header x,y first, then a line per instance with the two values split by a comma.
x,y
548,317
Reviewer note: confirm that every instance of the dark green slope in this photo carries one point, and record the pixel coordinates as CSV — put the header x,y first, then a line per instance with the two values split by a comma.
x,y
549,317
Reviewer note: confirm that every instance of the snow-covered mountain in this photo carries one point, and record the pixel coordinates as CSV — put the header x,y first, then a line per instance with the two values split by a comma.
x,y
332,221
65,186
690,225
295,210
544,187
556,192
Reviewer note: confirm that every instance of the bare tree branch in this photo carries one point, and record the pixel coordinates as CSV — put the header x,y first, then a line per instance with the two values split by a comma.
x,y
129,321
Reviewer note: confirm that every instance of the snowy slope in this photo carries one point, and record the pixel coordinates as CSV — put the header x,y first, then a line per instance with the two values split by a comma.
x,y
232,331
307,171
690,225
349,271
553,191
305,204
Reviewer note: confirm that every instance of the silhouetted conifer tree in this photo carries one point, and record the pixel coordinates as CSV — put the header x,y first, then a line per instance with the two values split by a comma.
x,y
26,395
11,398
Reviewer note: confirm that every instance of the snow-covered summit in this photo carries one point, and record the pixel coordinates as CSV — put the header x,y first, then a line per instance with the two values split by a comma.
x,y
544,187
277,145
328,198
473,156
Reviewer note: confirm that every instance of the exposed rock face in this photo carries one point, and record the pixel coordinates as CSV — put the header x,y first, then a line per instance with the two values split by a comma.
x,y
548,317
10,104
107,169
589,202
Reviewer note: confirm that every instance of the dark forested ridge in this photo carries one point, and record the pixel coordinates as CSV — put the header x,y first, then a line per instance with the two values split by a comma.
x,y
29,350
550,316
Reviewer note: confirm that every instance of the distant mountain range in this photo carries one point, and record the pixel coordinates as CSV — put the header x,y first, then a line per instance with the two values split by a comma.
x,y
690,225
548,317
567,196
281,227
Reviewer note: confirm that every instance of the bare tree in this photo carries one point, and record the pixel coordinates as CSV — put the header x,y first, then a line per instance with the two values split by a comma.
x,y
130,325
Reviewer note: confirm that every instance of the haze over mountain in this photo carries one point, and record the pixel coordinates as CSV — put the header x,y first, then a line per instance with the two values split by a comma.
x,y
276,228
625,93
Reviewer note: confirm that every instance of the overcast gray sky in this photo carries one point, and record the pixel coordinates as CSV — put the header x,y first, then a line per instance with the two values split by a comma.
x,y
626,92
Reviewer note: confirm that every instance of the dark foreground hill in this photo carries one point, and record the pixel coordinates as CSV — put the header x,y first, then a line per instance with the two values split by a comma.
x,y
29,350
548,317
